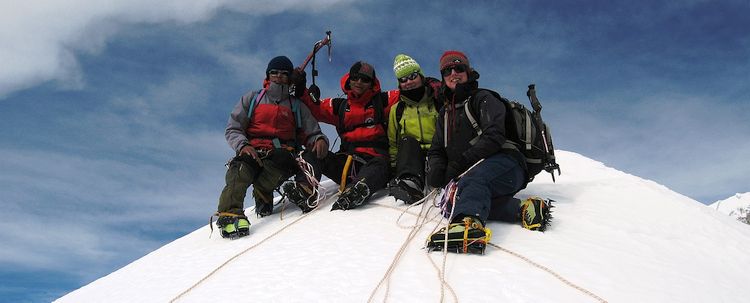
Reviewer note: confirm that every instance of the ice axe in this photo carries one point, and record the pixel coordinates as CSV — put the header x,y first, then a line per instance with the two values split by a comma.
x,y
314,90
550,164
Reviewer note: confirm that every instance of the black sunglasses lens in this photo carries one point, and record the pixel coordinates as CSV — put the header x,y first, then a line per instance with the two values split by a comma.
x,y
458,68
412,76
274,72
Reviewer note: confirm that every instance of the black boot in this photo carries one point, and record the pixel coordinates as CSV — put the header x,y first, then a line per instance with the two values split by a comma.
x,y
353,197
408,189
300,195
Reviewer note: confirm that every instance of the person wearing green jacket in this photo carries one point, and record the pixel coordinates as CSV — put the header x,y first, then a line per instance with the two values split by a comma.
x,y
411,124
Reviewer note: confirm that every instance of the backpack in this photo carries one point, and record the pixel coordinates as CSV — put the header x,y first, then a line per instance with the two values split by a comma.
x,y
295,109
525,132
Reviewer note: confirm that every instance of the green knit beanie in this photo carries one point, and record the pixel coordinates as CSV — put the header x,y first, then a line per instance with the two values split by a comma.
x,y
404,65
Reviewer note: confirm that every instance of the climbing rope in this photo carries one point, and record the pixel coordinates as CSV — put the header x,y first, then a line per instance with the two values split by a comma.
x,y
549,271
189,289
421,216
441,271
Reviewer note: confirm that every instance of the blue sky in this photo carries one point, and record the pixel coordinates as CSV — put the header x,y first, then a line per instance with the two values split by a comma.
x,y
112,115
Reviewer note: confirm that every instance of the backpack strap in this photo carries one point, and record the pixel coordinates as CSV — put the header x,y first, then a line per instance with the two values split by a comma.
x,y
474,124
254,101
400,107
339,109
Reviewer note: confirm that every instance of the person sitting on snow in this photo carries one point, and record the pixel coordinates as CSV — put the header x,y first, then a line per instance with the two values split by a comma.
x,y
266,129
497,174
360,120
411,124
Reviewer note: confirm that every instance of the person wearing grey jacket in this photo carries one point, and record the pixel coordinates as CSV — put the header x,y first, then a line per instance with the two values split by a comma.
x,y
266,129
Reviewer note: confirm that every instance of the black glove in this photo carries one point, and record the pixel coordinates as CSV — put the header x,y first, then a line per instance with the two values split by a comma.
x,y
436,177
452,171
299,79
315,92
465,90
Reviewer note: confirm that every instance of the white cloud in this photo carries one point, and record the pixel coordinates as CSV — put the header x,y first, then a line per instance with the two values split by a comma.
x,y
40,39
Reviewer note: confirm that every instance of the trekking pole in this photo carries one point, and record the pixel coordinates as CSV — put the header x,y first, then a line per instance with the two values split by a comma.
x,y
550,165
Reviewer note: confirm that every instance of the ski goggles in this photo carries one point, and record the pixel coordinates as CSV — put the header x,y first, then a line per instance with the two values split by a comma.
x,y
413,76
276,72
460,68
360,78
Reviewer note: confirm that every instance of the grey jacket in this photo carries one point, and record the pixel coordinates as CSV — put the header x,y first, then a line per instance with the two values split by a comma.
x,y
265,117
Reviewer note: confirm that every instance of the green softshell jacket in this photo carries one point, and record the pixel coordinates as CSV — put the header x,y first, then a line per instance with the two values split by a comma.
x,y
418,121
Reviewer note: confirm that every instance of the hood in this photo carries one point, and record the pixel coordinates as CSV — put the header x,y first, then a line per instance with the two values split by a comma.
x,y
367,95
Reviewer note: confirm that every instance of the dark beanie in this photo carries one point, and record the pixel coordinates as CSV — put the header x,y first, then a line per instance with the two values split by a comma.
x,y
280,63
362,68
452,57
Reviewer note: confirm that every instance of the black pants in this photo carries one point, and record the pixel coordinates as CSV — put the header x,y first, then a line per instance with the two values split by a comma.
x,y
373,170
410,160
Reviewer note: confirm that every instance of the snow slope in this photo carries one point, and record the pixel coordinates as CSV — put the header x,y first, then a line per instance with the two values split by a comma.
x,y
733,205
616,236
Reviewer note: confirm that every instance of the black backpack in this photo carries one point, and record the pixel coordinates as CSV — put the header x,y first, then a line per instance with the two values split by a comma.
x,y
526,132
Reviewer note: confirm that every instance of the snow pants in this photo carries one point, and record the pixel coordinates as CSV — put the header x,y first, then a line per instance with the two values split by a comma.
x,y
373,170
496,178
410,160
243,171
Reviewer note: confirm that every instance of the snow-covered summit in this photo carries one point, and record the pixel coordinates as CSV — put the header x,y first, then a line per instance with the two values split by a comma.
x,y
614,237
733,206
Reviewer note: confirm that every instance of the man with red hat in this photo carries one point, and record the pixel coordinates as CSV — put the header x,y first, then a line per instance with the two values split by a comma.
x,y
498,174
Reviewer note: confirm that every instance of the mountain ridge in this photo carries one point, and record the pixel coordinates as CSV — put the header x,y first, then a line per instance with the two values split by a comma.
x,y
620,237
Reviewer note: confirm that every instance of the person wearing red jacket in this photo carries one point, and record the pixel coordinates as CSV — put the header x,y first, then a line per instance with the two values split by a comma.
x,y
266,129
361,122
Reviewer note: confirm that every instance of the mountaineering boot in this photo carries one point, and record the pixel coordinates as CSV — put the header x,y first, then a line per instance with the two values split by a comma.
x,y
466,235
352,197
300,195
233,226
263,209
407,189
263,203
536,213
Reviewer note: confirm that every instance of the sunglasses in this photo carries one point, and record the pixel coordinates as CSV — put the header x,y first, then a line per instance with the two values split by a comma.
x,y
458,68
275,72
360,78
413,76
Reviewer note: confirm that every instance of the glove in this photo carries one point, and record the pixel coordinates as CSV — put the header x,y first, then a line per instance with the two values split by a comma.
x,y
315,91
462,91
299,79
436,177
452,171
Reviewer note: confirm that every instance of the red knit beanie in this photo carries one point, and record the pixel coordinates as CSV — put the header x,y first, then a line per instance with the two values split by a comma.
x,y
452,57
